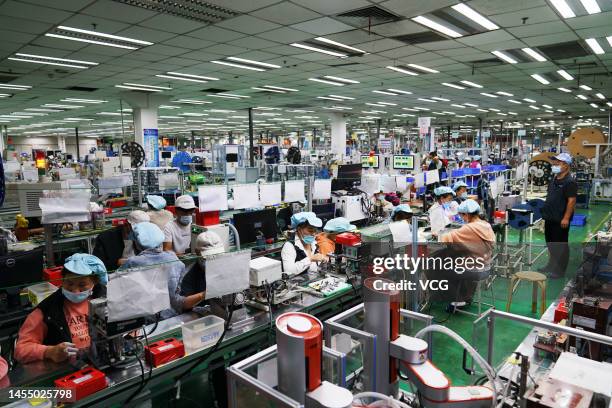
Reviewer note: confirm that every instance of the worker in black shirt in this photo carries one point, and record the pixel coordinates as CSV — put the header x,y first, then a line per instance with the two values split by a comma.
x,y
557,213
194,281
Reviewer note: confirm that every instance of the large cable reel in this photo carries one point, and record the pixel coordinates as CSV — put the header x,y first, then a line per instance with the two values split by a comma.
x,y
135,151
579,140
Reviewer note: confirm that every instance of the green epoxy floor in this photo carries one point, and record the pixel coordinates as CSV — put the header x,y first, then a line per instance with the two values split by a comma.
x,y
448,355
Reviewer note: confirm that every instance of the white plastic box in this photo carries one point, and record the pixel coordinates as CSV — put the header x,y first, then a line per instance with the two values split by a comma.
x,y
202,333
37,293
263,270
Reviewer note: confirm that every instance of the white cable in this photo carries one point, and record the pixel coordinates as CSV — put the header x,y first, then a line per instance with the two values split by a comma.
x,y
381,399
488,370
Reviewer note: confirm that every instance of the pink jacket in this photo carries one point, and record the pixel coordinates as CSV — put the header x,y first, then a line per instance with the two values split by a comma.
x,y
32,333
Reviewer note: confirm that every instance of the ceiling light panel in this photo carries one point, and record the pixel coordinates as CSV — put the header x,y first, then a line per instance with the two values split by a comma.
x,y
564,90
586,87
196,10
565,75
15,87
232,64
324,81
98,38
594,45
489,95
63,62
475,16
591,6
339,79
402,70
253,62
540,79
534,54
451,85
423,69
429,23
504,57
472,84
319,49
340,45
563,8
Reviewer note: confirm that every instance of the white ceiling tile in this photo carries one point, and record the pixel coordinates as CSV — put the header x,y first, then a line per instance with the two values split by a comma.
x,y
414,8
354,37
286,35
241,5
503,45
225,49
322,26
37,13
216,34
23,25
550,39
248,24
486,38
593,32
595,20
490,7
252,43
401,52
396,28
188,42
535,16
100,24
285,13
530,30
332,7
116,11
172,24
166,50
380,45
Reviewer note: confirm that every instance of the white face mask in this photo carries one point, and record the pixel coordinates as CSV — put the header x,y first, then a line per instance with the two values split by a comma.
x,y
556,169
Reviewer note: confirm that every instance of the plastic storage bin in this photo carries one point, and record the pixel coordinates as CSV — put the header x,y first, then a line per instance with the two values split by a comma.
x,y
37,293
202,333
578,220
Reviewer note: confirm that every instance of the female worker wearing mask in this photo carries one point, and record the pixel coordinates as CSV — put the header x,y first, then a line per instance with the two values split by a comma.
x,y
58,327
326,240
460,189
438,212
178,232
301,254
402,212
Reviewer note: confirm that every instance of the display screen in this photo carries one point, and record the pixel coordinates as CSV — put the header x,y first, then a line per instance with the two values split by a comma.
x,y
403,161
365,161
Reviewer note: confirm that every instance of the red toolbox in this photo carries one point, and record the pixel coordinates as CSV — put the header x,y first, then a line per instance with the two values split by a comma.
x,y
207,218
164,351
117,203
561,312
348,239
119,221
83,382
53,275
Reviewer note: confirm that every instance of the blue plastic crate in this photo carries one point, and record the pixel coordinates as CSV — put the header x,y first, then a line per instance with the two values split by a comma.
x,y
457,172
578,220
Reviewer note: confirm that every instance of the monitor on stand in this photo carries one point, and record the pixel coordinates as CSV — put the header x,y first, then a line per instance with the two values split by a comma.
x,y
349,176
250,224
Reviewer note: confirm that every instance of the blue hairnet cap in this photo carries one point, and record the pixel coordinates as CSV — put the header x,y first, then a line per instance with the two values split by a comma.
x,y
148,235
339,225
459,184
85,264
402,208
469,206
306,217
157,202
443,190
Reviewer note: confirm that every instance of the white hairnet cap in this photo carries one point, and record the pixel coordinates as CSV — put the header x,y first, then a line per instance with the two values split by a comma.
x,y
208,243
338,225
469,206
306,217
138,216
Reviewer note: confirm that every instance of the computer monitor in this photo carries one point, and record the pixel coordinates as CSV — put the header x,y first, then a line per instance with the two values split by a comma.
x,y
21,269
166,155
325,211
349,175
403,162
365,161
249,224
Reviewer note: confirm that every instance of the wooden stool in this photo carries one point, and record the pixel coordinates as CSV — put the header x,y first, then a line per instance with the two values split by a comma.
x,y
538,280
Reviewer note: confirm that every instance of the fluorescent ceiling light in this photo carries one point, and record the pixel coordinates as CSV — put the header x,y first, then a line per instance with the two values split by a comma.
x,y
609,104
330,98
280,88
494,110
475,16
504,57
534,107
560,110
83,100
592,42
481,110
339,79
419,108
316,49
472,84
399,91
15,87
489,95
342,97
238,65
594,105
533,54
540,79
504,93
87,40
452,85
338,44
326,82
42,110
138,88
57,59
513,101
410,109
403,71
591,6
426,100
60,64
565,74
207,78
422,68
458,106
228,95
473,105
584,98
181,78
163,88
437,98
586,87
529,100
248,61
267,90
547,106
385,93
436,26
55,105
563,8
600,96
98,35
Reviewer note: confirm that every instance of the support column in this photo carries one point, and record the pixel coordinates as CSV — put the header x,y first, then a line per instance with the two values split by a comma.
x,y
78,149
251,151
338,135
144,109
3,140
61,143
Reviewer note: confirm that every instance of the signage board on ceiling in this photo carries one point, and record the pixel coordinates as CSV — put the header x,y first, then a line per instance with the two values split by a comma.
x,y
522,132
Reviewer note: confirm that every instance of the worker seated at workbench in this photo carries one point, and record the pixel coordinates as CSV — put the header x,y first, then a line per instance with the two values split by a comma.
x,y
178,232
326,240
148,239
58,328
438,212
474,241
301,253
157,211
192,287
114,246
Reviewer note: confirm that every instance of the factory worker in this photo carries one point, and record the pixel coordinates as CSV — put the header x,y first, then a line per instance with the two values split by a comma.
x,y
381,205
402,212
148,239
157,211
460,189
193,285
326,240
301,254
475,164
135,217
178,232
438,212
58,327
465,163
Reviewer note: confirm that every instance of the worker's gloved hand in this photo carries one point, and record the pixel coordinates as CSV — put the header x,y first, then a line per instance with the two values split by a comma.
x,y
61,352
318,258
